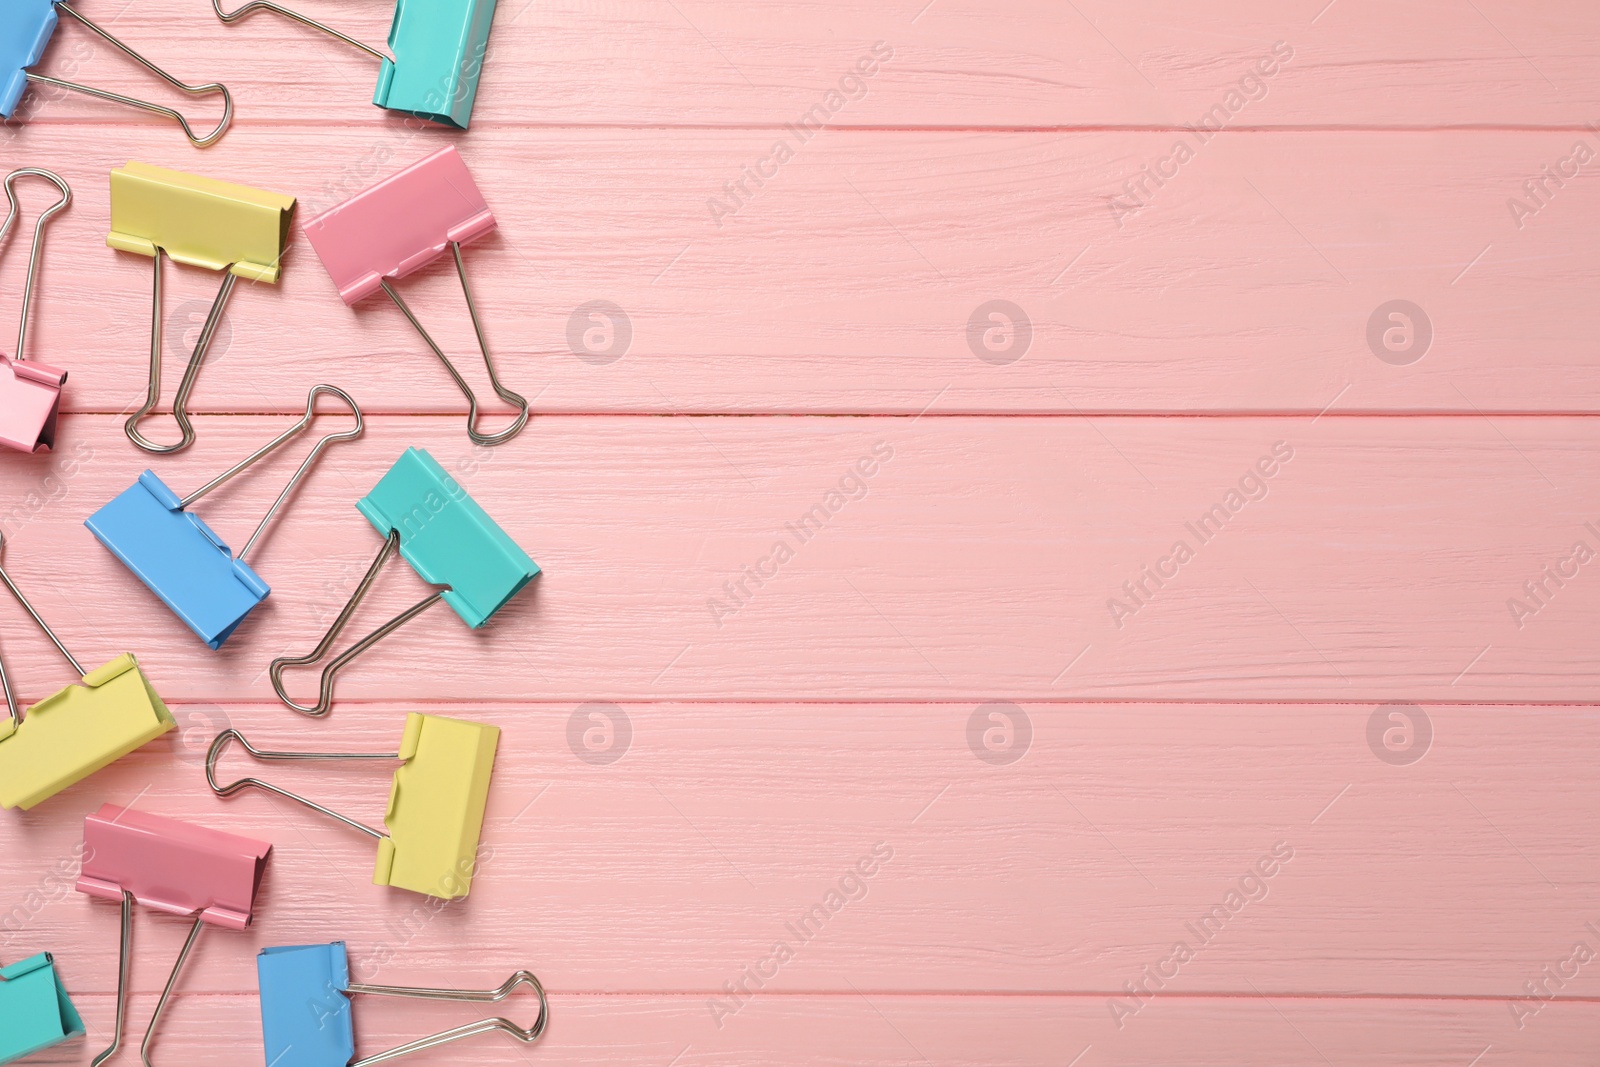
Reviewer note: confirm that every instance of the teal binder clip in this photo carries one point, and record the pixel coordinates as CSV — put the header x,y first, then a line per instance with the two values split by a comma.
x,y
447,538
439,47
181,559
35,1011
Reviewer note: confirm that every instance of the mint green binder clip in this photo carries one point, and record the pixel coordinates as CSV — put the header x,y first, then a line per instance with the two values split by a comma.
x,y
451,542
35,1011
439,47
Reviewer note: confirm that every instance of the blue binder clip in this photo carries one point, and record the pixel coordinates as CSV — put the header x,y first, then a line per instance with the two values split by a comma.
x,y
306,1018
35,1011
182,559
439,47
449,540
26,27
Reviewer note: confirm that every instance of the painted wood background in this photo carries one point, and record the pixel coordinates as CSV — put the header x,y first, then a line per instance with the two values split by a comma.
x,y
983,668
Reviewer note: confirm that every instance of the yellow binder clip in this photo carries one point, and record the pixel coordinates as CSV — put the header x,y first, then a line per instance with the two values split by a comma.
x,y
436,805
200,222
67,737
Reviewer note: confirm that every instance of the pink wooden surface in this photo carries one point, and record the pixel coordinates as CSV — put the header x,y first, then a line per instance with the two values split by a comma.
x,y
1067,741
846,284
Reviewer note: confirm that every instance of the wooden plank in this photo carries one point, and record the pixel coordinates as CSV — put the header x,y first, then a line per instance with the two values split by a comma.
x,y
1247,284
1386,559
954,63
1183,732
876,1030
1116,833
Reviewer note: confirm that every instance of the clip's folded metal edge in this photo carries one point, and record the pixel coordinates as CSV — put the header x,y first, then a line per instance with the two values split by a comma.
x,y
400,224
172,866
394,504
23,52
137,733
437,805
306,1019
200,221
104,524
421,80
43,1017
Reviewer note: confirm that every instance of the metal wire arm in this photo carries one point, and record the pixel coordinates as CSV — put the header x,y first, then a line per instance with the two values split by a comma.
x,y
144,105
126,958
5,684
126,961
516,400
526,1036
38,239
220,742
231,17
277,442
180,402
325,691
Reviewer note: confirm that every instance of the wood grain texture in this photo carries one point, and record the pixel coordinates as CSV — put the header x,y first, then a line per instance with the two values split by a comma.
x,y
1110,837
956,63
1339,745
878,1030
846,284
974,558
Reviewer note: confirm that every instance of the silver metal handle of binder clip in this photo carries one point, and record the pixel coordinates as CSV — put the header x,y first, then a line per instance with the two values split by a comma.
x,y
144,105
516,400
5,683
126,963
278,442
249,9
180,402
124,966
339,662
38,238
526,1035
220,742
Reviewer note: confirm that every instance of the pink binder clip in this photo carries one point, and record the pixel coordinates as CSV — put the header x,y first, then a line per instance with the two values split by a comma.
x,y
30,393
396,228
170,866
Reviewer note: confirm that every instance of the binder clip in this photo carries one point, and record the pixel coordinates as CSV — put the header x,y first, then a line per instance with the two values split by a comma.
x,y
67,737
436,804
305,1008
35,1011
200,222
30,393
180,558
26,27
396,228
447,538
439,48
173,867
